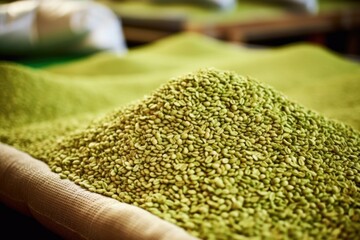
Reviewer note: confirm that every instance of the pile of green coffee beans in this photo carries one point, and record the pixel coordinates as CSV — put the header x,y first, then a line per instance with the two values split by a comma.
x,y
224,157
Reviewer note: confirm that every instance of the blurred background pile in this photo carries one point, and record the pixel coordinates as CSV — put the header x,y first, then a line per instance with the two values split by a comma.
x,y
70,27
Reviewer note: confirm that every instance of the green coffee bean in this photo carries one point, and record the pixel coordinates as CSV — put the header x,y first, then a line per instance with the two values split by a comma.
x,y
231,158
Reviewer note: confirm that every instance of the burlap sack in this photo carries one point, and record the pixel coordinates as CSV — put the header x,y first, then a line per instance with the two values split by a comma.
x,y
28,185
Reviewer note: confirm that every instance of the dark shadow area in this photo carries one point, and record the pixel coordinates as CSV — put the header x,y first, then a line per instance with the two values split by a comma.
x,y
25,227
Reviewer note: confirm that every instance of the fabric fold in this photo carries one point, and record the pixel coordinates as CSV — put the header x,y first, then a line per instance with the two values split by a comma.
x,y
29,186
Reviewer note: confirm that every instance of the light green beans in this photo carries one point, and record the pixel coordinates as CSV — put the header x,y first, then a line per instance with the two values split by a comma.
x,y
224,157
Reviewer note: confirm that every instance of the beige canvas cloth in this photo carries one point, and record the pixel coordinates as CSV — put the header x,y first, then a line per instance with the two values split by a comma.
x,y
28,185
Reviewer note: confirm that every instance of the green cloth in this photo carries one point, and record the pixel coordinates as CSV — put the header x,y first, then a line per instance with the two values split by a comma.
x,y
40,105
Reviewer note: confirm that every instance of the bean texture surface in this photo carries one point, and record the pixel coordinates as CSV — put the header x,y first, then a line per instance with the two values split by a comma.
x,y
224,157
